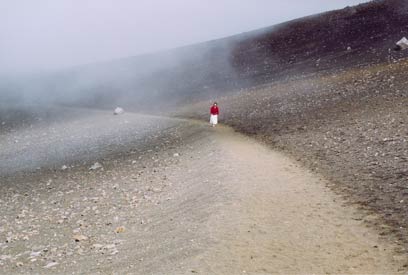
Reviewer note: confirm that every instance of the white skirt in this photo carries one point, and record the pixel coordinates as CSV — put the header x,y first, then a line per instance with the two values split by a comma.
x,y
214,119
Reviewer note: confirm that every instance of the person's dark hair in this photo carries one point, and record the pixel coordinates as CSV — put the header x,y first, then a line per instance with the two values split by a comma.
x,y
215,103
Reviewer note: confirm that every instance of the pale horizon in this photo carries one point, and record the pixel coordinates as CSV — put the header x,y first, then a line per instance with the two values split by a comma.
x,y
49,35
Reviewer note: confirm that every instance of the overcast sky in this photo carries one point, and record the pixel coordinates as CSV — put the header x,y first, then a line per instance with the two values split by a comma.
x,y
40,35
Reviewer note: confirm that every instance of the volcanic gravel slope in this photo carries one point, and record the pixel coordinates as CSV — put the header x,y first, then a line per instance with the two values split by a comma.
x,y
195,200
327,89
349,126
331,90
53,137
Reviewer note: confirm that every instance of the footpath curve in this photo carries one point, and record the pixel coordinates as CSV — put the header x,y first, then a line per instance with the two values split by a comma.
x,y
277,217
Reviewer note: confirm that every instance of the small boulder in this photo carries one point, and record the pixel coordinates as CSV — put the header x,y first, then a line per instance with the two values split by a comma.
x,y
80,238
96,166
402,44
118,111
120,229
51,264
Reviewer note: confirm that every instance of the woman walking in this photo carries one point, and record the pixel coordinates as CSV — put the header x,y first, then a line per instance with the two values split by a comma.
x,y
214,112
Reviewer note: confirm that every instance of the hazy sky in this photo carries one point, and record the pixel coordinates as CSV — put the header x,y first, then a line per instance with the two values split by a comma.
x,y
51,34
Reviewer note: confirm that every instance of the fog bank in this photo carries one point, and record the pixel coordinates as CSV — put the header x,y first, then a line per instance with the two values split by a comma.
x,y
46,35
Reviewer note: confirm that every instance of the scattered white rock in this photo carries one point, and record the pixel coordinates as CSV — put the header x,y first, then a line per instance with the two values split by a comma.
x,y
176,155
110,246
348,48
51,264
118,111
156,190
403,43
96,166
35,254
5,257
79,237
64,167
120,229
80,251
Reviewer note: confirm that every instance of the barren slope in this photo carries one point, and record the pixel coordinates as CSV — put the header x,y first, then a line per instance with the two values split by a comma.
x,y
224,204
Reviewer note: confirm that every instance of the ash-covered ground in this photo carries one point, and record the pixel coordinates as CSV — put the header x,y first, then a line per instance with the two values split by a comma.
x,y
188,199
62,213
350,126
327,89
331,90
36,138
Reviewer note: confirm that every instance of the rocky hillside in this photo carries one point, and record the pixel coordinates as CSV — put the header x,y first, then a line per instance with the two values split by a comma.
x,y
352,37
351,126
339,108
355,36
328,89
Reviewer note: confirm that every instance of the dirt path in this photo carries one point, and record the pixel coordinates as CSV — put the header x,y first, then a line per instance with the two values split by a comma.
x,y
205,200
278,218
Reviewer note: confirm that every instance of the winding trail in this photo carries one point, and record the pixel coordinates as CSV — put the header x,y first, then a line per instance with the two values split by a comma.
x,y
268,215
193,200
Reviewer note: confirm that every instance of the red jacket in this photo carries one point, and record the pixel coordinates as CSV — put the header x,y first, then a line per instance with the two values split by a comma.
x,y
214,110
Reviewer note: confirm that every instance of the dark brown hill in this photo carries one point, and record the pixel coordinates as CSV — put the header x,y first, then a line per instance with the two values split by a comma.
x,y
354,36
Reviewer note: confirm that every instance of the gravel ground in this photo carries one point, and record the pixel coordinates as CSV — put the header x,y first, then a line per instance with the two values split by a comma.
x,y
194,200
57,137
77,220
350,126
